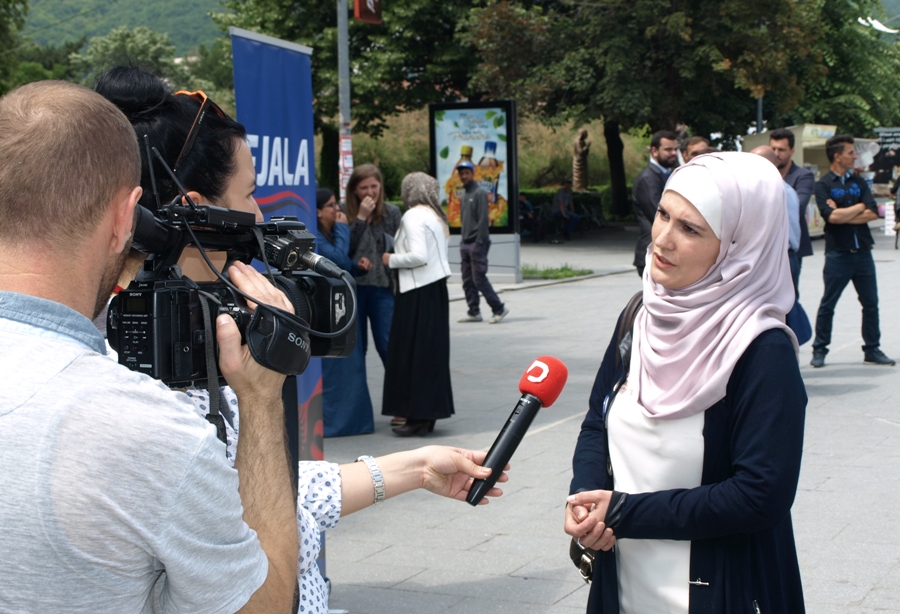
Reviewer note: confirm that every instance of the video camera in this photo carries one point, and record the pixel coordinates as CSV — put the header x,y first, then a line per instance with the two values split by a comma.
x,y
163,324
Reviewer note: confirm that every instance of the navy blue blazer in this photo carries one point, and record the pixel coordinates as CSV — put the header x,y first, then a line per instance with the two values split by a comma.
x,y
802,180
646,191
738,520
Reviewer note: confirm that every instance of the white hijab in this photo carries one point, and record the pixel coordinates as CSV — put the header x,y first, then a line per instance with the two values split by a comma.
x,y
689,340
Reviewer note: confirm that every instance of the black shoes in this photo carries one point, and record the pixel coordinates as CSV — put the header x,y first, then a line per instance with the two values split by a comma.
x,y
818,359
414,427
877,357
872,357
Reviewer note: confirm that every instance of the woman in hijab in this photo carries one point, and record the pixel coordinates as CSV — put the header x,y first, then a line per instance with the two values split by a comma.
x,y
687,462
417,374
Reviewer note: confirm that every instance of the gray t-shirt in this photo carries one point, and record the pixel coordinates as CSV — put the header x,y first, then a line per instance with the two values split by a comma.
x,y
117,496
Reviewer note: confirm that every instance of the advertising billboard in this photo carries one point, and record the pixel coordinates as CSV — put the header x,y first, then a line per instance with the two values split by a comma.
x,y
483,133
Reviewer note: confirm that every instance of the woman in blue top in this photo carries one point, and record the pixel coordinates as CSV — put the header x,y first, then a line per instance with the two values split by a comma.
x,y
346,404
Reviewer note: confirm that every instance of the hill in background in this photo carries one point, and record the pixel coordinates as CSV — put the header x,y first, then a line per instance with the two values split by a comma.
x,y
892,9
187,22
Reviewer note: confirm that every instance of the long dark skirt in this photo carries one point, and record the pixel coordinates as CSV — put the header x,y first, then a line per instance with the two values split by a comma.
x,y
346,405
417,374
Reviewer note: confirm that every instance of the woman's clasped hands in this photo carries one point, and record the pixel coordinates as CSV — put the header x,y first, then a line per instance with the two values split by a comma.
x,y
585,513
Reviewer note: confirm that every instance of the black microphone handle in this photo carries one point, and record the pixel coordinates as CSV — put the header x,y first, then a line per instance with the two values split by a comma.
x,y
505,445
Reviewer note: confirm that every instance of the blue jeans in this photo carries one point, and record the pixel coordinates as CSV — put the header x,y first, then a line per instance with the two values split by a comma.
x,y
840,269
574,218
376,306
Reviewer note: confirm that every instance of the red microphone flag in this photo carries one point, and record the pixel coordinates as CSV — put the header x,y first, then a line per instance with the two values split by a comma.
x,y
544,379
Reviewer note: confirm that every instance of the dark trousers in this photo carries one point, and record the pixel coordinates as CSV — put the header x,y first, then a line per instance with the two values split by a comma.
x,y
474,265
376,305
794,260
840,269
571,223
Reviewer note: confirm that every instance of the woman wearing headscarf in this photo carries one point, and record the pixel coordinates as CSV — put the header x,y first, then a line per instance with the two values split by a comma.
x,y
417,374
346,404
687,462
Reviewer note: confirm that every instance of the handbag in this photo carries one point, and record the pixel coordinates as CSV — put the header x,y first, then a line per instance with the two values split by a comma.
x,y
583,557
798,321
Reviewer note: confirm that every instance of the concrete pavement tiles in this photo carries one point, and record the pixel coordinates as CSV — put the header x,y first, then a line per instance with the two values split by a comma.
x,y
420,553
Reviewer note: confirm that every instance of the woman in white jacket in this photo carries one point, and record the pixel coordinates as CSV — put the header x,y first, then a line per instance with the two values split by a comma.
x,y
417,374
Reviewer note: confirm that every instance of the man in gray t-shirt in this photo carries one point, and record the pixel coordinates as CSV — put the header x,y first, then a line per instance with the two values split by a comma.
x,y
117,496
474,243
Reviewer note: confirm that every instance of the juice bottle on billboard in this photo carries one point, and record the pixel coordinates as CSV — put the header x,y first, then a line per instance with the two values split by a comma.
x,y
488,174
454,188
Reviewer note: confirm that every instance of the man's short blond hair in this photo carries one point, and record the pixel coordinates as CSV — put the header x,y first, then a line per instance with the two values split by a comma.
x,y
65,154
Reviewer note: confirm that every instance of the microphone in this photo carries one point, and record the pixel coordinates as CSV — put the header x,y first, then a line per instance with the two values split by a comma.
x,y
321,265
540,386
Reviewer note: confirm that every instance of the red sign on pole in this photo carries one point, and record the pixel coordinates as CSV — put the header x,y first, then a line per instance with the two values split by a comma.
x,y
368,11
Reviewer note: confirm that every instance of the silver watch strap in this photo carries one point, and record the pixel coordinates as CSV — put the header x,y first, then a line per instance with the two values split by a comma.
x,y
377,478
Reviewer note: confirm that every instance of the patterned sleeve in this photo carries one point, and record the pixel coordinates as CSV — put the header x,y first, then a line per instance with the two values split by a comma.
x,y
200,399
318,508
319,491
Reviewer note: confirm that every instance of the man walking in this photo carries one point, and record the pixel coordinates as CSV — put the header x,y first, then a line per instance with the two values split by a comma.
x,y
648,188
475,241
846,203
802,180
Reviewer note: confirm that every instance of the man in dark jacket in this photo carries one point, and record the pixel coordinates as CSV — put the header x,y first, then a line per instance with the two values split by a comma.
x,y
802,180
475,241
648,188
845,201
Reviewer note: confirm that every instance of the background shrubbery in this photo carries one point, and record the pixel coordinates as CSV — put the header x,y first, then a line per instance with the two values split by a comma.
x,y
545,157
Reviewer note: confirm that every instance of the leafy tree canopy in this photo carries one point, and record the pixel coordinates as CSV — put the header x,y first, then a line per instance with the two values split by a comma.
x,y
405,63
12,18
141,46
658,63
856,82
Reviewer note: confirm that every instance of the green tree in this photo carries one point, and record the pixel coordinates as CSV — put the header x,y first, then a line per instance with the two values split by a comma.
x,y
855,86
656,63
405,63
214,64
12,18
38,62
139,46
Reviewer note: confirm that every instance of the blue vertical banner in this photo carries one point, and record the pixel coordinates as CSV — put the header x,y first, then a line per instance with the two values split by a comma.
x,y
274,100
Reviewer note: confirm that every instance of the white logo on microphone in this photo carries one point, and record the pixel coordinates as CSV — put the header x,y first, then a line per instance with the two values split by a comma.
x,y
545,371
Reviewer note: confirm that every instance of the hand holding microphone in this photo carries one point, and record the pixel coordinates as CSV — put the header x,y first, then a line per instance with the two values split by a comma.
x,y
540,387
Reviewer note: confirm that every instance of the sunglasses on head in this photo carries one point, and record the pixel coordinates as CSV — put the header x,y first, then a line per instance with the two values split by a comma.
x,y
206,104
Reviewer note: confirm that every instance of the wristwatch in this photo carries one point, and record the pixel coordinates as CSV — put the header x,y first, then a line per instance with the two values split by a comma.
x,y
377,478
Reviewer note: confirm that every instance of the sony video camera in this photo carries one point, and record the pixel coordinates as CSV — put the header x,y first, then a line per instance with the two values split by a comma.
x,y
164,323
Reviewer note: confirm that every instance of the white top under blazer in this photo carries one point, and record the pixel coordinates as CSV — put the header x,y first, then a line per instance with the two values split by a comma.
x,y
650,455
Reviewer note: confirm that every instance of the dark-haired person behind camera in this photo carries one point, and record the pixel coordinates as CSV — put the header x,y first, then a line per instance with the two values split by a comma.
x,y
346,403
326,491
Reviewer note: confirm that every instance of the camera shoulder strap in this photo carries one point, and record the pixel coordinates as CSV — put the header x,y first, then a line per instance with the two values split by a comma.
x,y
624,335
214,416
